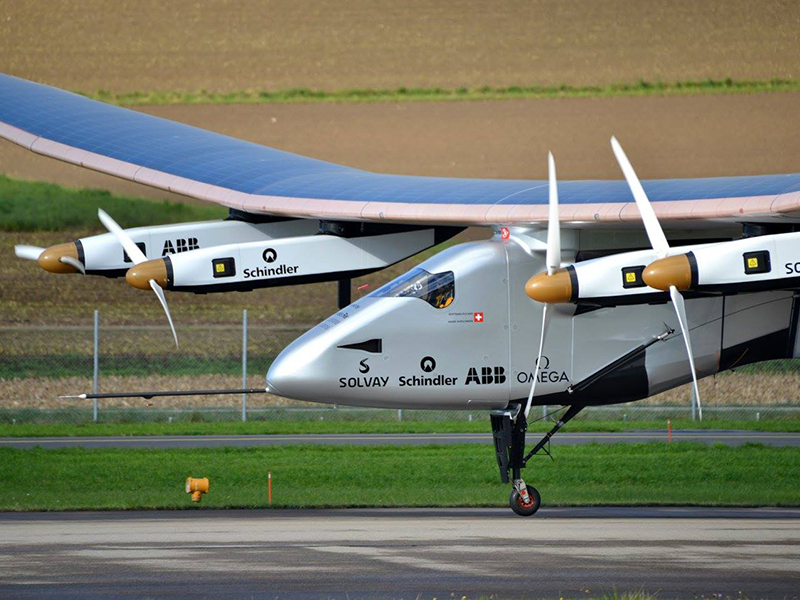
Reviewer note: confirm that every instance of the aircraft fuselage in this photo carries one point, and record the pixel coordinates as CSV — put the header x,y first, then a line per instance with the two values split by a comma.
x,y
459,332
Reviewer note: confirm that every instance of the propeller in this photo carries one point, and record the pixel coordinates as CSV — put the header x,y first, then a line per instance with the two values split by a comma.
x,y
48,258
553,262
137,256
659,243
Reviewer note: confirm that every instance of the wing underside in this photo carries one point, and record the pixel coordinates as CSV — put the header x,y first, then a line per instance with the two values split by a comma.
x,y
257,179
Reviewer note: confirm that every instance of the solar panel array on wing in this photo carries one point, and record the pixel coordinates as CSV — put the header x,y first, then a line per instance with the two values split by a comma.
x,y
146,140
223,161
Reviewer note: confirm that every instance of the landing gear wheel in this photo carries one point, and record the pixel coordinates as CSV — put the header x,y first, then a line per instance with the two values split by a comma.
x,y
522,508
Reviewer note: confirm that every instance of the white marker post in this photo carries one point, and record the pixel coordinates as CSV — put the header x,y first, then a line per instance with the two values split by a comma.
x,y
96,363
244,364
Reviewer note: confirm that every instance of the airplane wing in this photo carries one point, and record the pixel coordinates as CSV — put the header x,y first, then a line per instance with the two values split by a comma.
x,y
257,179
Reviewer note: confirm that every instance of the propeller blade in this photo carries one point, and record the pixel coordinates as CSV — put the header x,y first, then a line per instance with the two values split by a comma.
x,y
545,323
74,262
680,310
162,299
137,256
651,225
134,253
553,258
28,252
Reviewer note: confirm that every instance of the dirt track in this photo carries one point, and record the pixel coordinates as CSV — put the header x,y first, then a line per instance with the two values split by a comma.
x,y
225,45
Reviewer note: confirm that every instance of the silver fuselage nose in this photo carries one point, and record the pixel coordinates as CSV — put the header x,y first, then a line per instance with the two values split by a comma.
x,y
405,352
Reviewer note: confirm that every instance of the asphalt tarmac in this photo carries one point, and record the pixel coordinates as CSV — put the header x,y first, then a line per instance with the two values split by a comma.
x,y
730,438
409,553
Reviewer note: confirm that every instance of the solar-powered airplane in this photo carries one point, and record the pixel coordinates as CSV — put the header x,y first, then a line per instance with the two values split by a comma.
x,y
568,304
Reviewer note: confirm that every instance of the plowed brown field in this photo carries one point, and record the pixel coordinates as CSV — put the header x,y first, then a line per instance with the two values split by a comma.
x,y
225,45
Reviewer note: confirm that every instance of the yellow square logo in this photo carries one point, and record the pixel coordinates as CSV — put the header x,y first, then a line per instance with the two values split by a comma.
x,y
219,267
630,277
752,263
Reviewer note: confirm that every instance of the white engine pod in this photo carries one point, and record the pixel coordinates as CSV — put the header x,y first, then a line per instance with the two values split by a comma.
x,y
612,278
102,254
749,264
291,261
768,261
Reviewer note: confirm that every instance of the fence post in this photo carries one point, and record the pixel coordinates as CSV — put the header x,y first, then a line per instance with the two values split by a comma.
x,y
399,414
96,363
694,405
244,364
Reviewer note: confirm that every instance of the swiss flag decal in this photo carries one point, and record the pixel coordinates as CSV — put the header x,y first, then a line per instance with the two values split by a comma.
x,y
477,317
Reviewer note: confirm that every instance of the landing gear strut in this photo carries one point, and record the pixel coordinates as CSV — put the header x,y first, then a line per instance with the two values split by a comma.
x,y
508,429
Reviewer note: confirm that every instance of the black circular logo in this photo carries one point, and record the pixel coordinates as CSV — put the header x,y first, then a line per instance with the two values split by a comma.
x,y
427,364
269,255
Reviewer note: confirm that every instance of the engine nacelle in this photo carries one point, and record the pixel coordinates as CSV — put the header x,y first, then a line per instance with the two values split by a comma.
x,y
285,261
102,254
770,262
750,264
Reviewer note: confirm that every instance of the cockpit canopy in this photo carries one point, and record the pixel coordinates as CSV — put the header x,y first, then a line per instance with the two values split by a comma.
x,y
437,289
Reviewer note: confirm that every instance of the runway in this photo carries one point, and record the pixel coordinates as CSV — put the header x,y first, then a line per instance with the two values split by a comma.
x,y
730,438
583,552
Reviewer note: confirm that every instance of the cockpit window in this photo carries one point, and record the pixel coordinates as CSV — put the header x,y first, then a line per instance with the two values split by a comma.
x,y
437,289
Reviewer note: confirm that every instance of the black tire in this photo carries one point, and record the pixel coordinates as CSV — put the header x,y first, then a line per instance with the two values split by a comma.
x,y
525,510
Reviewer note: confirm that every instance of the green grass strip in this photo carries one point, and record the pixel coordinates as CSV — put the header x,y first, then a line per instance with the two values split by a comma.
x,y
407,94
464,475
339,423
32,206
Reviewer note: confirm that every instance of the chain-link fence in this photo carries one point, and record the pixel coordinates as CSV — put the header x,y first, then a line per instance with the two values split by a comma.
x,y
38,364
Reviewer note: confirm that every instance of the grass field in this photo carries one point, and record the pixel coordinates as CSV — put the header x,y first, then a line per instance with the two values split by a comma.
x,y
36,206
486,92
480,424
303,476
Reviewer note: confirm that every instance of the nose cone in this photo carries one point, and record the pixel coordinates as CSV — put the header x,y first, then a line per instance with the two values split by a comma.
x,y
319,365
139,276
50,259
550,289
297,372
673,270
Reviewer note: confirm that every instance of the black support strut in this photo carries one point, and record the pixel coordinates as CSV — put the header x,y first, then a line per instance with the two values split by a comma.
x,y
571,412
508,431
344,296
509,441
517,462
